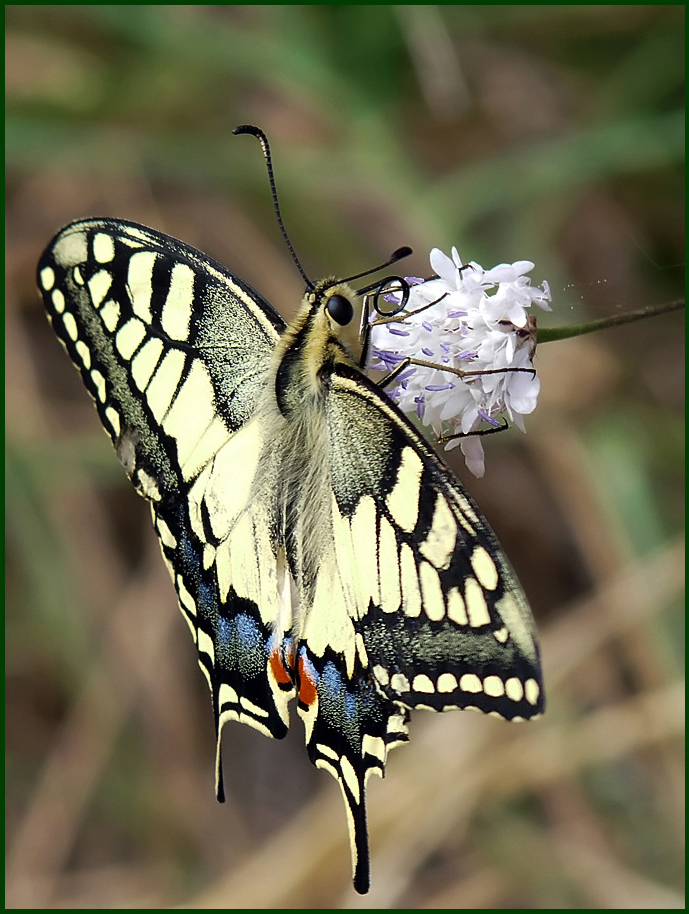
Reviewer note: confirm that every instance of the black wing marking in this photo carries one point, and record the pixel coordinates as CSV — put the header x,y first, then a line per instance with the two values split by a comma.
x,y
415,604
443,618
155,326
174,350
350,727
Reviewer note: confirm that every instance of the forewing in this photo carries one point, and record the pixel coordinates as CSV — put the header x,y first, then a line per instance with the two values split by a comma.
x,y
174,350
443,619
172,347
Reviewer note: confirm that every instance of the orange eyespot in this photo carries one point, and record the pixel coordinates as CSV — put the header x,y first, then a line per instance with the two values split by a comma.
x,y
307,686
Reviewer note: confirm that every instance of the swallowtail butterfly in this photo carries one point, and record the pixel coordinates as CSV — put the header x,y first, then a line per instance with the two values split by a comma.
x,y
319,547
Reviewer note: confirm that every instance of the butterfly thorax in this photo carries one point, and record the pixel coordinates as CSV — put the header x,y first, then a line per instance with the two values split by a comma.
x,y
294,416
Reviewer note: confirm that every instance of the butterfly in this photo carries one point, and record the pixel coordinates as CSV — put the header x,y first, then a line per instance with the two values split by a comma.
x,y
319,547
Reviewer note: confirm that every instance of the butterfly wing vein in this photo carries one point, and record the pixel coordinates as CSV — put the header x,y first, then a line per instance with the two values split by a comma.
x,y
404,599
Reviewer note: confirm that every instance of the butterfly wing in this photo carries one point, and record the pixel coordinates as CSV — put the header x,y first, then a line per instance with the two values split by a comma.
x,y
174,350
444,621
436,616
408,602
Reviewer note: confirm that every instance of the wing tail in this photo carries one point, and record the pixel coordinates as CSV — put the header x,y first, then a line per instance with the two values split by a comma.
x,y
350,726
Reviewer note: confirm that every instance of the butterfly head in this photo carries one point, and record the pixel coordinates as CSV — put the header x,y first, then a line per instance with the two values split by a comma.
x,y
334,301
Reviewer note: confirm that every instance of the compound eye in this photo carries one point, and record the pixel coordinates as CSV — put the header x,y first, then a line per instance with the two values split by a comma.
x,y
340,309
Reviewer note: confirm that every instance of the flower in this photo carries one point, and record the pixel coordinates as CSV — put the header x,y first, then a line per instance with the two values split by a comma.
x,y
467,320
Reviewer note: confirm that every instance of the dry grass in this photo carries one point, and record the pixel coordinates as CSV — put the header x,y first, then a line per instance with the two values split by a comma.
x,y
513,133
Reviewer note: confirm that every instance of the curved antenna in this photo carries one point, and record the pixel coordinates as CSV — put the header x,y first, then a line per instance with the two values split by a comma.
x,y
263,140
399,254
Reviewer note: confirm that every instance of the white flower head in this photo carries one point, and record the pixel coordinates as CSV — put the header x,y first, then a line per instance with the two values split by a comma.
x,y
466,319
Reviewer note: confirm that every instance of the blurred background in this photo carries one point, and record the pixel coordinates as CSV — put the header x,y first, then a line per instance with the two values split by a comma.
x,y
548,133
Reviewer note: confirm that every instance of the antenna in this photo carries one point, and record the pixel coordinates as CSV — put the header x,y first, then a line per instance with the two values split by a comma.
x,y
263,140
399,254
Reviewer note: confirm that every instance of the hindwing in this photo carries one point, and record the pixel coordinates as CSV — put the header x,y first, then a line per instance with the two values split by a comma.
x,y
442,617
415,604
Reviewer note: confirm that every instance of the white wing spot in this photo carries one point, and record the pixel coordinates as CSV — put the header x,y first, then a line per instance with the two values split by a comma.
x,y
113,419
252,708
163,387
99,382
47,278
514,689
103,247
361,650
208,555
433,602
399,682
456,609
166,535
514,612
110,315
139,235
373,745
99,286
146,361
423,683
350,778
83,353
70,326
185,597
470,682
501,634
78,277
178,304
58,301
476,603
139,281
531,691
363,524
388,568
327,751
447,682
71,248
411,595
484,568
129,336
403,500
493,686
227,695
205,646
381,675
439,544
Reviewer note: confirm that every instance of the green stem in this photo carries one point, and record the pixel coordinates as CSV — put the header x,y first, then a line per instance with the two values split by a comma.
x,y
547,335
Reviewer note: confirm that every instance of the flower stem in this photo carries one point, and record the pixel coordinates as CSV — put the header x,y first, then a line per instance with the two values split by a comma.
x,y
548,334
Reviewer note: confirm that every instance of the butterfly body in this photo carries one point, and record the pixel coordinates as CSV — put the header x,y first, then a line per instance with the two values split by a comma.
x,y
319,547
